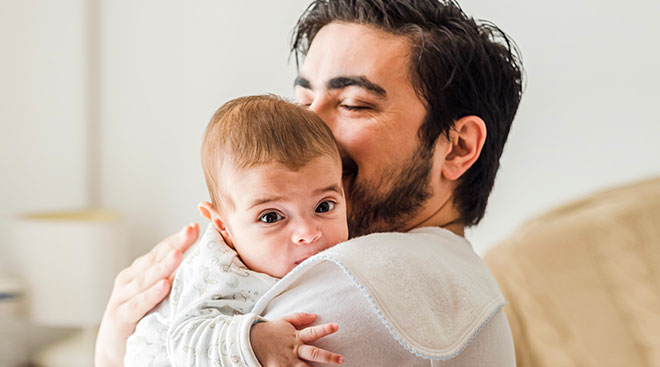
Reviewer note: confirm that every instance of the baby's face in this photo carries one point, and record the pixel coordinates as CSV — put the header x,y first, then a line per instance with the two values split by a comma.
x,y
281,216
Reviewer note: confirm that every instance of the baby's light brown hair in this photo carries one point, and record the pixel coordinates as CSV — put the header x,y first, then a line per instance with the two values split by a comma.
x,y
255,130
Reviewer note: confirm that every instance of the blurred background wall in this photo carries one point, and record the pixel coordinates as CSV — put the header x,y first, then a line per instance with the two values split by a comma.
x,y
103,103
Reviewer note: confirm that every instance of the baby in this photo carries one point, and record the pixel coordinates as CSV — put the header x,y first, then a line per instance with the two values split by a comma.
x,y
274,174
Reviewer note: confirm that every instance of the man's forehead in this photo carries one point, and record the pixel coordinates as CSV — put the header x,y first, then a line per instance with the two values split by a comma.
x,y
354,54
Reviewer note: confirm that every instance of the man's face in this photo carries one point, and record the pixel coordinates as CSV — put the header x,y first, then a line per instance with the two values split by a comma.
x,y
356,78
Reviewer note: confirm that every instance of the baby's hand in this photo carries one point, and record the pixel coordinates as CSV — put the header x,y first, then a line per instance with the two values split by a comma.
x,y
285,341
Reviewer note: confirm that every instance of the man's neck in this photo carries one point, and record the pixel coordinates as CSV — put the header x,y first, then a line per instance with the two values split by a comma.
x,y
439,213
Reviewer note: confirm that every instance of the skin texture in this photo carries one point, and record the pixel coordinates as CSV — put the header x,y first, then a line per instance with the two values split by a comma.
x,y
375,144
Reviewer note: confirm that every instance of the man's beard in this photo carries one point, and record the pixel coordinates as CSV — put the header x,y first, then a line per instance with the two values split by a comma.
x,y
372,210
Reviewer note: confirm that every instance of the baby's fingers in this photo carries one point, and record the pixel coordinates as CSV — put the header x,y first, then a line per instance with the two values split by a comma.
x,y
315,333
299,319
316,354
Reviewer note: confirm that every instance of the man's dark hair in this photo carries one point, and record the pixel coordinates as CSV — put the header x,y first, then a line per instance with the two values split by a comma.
x,y
458,67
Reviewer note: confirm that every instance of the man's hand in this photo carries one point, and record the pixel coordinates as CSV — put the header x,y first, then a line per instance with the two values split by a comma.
x,y
285,341
137,290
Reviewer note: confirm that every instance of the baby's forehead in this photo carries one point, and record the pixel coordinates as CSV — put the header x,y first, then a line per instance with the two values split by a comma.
x,y
277,178
292,165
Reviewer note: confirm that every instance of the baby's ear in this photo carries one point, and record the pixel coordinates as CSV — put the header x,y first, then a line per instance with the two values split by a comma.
x,y
208,211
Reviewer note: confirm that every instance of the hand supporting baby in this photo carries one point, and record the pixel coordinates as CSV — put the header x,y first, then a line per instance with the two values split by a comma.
x,y
285,341
138,289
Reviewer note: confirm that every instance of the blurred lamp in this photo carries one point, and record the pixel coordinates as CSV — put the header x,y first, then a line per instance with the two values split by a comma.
x,y
69,261
12,339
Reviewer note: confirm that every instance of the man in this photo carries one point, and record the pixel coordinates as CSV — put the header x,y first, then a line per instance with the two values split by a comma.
x,y
420,99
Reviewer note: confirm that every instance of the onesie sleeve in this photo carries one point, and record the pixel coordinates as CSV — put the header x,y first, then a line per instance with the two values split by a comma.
x,y
212,296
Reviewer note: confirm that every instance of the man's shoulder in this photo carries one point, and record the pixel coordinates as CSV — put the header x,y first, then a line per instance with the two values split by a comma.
x,y
429,289
420,248
436,238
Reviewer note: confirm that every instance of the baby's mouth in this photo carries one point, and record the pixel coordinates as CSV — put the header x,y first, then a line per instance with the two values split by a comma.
x,y
305,258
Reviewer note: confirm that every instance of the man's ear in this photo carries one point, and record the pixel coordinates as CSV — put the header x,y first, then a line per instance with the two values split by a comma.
x,y
466,140
209,212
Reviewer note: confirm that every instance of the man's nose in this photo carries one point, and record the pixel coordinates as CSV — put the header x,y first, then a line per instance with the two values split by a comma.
x,y
305,234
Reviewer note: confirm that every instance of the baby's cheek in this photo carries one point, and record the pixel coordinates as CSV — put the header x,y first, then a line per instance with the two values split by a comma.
x,y
341,232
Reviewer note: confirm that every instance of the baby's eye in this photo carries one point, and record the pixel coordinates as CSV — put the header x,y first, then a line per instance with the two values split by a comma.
x,y
325,207
271,217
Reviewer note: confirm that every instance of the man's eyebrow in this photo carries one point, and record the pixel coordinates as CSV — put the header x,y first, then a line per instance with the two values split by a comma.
x,y
342,82
265,200
302,82
361,81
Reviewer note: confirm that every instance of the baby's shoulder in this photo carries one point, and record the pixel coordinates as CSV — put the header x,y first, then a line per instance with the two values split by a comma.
x,y
212,251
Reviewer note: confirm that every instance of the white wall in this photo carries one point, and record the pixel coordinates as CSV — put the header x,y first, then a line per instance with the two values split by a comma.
x,y
164,73
42,110
43,126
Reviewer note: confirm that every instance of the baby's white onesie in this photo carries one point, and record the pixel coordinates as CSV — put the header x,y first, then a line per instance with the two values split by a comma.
x,y
206,319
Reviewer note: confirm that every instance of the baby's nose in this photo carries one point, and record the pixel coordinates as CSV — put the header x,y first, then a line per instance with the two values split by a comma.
x,y
306,234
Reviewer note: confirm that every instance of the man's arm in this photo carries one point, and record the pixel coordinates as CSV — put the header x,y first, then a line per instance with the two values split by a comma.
x,y
138,289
